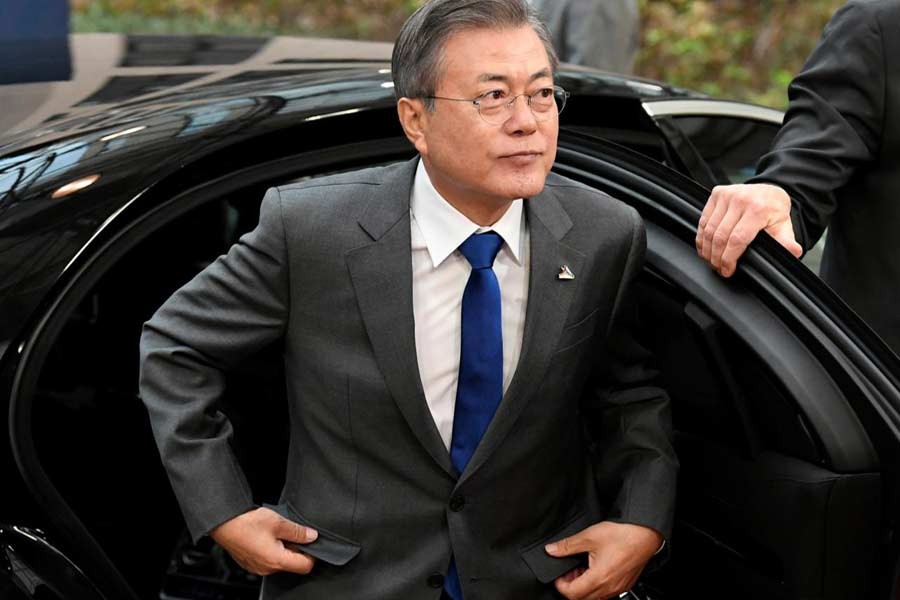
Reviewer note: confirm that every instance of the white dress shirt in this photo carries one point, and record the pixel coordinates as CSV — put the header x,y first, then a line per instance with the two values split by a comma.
x,y
440,274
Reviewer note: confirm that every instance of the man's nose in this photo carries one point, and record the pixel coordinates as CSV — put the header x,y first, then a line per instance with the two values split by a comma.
x,y
521,118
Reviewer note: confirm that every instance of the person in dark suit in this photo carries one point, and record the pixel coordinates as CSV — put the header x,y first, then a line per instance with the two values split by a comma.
x,y
470,414
834,164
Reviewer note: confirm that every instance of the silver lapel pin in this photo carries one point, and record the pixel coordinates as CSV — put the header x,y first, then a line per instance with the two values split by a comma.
x,y
565,273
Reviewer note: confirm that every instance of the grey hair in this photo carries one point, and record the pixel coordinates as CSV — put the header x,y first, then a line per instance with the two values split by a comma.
x,y
418,52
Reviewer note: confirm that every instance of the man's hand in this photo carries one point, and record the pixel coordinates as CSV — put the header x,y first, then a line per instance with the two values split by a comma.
x,y
734,214
254,540
617,553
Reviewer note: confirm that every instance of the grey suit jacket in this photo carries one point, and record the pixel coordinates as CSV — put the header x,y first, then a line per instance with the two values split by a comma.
x,y
579,436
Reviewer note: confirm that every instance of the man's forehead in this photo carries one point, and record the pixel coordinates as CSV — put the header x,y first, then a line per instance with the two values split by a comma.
x,y
539,74
481,55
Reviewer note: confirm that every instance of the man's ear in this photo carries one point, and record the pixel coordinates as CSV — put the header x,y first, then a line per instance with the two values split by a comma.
x,y
414,118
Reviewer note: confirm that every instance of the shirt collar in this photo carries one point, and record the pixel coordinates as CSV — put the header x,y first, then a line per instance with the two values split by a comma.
x,y
444,228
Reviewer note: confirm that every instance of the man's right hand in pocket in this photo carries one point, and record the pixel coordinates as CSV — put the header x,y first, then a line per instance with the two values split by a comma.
x,y
255,540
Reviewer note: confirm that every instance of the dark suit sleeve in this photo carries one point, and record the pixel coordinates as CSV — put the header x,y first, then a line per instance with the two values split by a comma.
x,y
236,306
834,120
637,467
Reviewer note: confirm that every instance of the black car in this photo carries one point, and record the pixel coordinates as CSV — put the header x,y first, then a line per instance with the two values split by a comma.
x,y
118,187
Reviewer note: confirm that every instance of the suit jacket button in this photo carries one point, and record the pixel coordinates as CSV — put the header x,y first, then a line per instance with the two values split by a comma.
x,y
457,502
436,581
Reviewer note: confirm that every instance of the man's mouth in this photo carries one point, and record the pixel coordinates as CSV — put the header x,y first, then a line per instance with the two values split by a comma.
x,y
522,153
522,159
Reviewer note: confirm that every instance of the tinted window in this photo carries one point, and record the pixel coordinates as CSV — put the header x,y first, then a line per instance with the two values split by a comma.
x,y
619,120
168,50
730,146
121,88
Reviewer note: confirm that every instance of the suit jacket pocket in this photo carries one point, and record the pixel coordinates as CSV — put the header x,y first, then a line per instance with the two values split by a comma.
x,y
547,568
574,334
329,547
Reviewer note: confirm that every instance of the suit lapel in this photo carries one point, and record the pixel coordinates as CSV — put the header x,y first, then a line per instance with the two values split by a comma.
x,y
548,307
382,278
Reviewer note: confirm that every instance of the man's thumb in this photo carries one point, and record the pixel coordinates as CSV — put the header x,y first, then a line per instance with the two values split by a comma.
x,y
784,235
566,546
294,532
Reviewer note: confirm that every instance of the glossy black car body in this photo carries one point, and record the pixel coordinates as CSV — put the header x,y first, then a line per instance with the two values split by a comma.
x,y
786,406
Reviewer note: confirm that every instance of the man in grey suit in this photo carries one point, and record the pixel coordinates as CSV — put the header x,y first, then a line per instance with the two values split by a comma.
x,y
470,414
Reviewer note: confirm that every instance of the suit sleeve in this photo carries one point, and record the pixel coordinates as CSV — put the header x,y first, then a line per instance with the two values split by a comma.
x,y
636,468
234,307
834,120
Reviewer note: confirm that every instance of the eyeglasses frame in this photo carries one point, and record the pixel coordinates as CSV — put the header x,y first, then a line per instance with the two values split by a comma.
x,y
509,104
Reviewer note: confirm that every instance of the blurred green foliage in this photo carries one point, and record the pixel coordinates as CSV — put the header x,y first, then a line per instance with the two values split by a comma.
x,y
740,49
359,19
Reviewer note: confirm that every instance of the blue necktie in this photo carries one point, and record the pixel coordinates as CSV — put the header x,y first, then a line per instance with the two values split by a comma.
x,y
480,382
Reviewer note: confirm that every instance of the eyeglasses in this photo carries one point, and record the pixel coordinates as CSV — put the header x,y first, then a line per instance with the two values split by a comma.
x,y
496,106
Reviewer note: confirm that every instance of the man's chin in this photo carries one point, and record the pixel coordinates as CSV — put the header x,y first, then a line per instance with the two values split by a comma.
x,y
526,187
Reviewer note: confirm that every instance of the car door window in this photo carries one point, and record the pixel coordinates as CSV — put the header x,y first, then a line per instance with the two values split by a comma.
x,y
730,146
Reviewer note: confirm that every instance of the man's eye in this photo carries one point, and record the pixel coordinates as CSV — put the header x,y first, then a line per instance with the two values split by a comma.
x,y
545,93
494,95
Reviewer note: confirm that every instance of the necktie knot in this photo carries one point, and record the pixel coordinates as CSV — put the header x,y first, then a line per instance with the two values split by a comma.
x,y
480,249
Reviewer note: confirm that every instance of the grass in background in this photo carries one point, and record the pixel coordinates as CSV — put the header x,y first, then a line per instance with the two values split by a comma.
x,y
96,18
356,19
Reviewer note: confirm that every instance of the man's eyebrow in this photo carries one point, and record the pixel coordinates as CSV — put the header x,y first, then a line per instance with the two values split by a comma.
x,y
484,77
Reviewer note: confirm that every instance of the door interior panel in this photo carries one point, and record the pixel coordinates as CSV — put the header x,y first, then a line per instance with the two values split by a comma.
x,y
92,431
764,509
